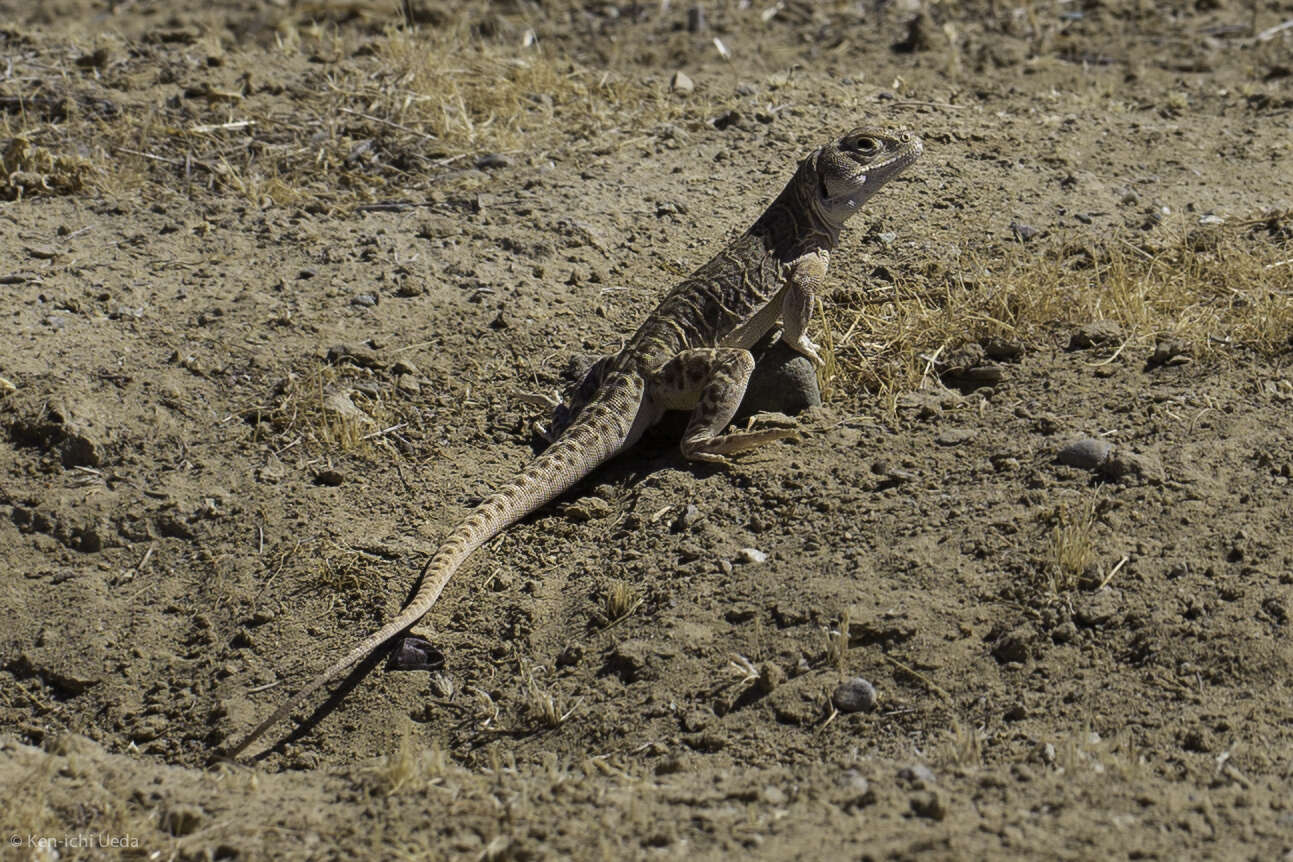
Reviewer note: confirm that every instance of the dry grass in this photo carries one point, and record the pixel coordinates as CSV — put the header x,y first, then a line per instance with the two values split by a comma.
x,y
328,116
409,768
1072,549
837,643
320,413
348,572
1217,291
619,600
59,794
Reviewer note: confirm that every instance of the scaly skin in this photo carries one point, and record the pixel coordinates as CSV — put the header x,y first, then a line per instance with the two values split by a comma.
x,y
691,353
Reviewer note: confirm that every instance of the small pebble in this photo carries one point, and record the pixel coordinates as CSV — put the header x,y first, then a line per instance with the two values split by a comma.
x,y
929,805
364,300
918,774
588,509
751,555
1085,454
1171,352
491,161
1023,232
955,436
775,795
770,676
415,653
1096,334
680,83
856,695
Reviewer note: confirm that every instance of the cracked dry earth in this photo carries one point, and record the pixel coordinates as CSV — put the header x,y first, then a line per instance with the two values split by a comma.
x,y
190,527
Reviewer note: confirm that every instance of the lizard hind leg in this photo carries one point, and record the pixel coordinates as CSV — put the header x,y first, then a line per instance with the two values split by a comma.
x,y
710,381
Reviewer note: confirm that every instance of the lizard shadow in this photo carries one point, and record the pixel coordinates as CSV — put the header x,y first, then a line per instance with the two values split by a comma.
x,y
357,674
658,450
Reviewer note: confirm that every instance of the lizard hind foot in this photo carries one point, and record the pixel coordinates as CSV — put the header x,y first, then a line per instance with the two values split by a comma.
x,y
716,450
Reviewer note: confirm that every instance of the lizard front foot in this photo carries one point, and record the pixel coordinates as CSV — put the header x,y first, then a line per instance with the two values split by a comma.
x,y
806,347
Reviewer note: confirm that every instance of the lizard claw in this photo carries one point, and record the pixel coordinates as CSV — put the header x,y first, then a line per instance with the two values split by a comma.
x,y
807,348
538,399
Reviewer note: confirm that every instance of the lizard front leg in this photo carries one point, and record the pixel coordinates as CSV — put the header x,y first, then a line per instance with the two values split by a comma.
x,y
803,281
710,381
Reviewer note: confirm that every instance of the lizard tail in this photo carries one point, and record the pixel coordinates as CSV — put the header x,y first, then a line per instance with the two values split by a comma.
x,y
602,430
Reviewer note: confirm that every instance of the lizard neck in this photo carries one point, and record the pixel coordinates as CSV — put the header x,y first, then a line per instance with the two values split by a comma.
x,y
793,226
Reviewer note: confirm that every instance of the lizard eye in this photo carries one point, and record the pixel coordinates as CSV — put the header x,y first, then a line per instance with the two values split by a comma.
x,y
866,145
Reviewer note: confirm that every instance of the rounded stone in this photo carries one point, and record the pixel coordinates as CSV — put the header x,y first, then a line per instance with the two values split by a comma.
x,y
856,695
1086,454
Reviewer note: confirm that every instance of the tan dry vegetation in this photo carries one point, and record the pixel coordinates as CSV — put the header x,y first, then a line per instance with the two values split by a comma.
x,y
324,414
619,600
399,110
1217,293
1071,546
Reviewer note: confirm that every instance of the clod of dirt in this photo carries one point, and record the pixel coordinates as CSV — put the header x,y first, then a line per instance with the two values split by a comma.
x,y
588,509
860,794
968,379
1085,454
1122,464
1002,350
361,354
493,162
43,252
67,675
856,695
920,35
637,660
1170,352
1065,632
918,775
929,804
74,429
1015,646
727,120
1099,333
955,436
1098,609
770,676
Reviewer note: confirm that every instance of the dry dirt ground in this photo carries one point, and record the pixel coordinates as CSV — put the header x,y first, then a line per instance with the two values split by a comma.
x,y
275,275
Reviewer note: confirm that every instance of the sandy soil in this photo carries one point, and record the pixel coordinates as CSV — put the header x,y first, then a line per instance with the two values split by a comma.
x,y
189,528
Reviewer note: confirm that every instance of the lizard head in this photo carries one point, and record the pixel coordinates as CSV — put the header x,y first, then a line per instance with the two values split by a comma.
x,y
854,167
